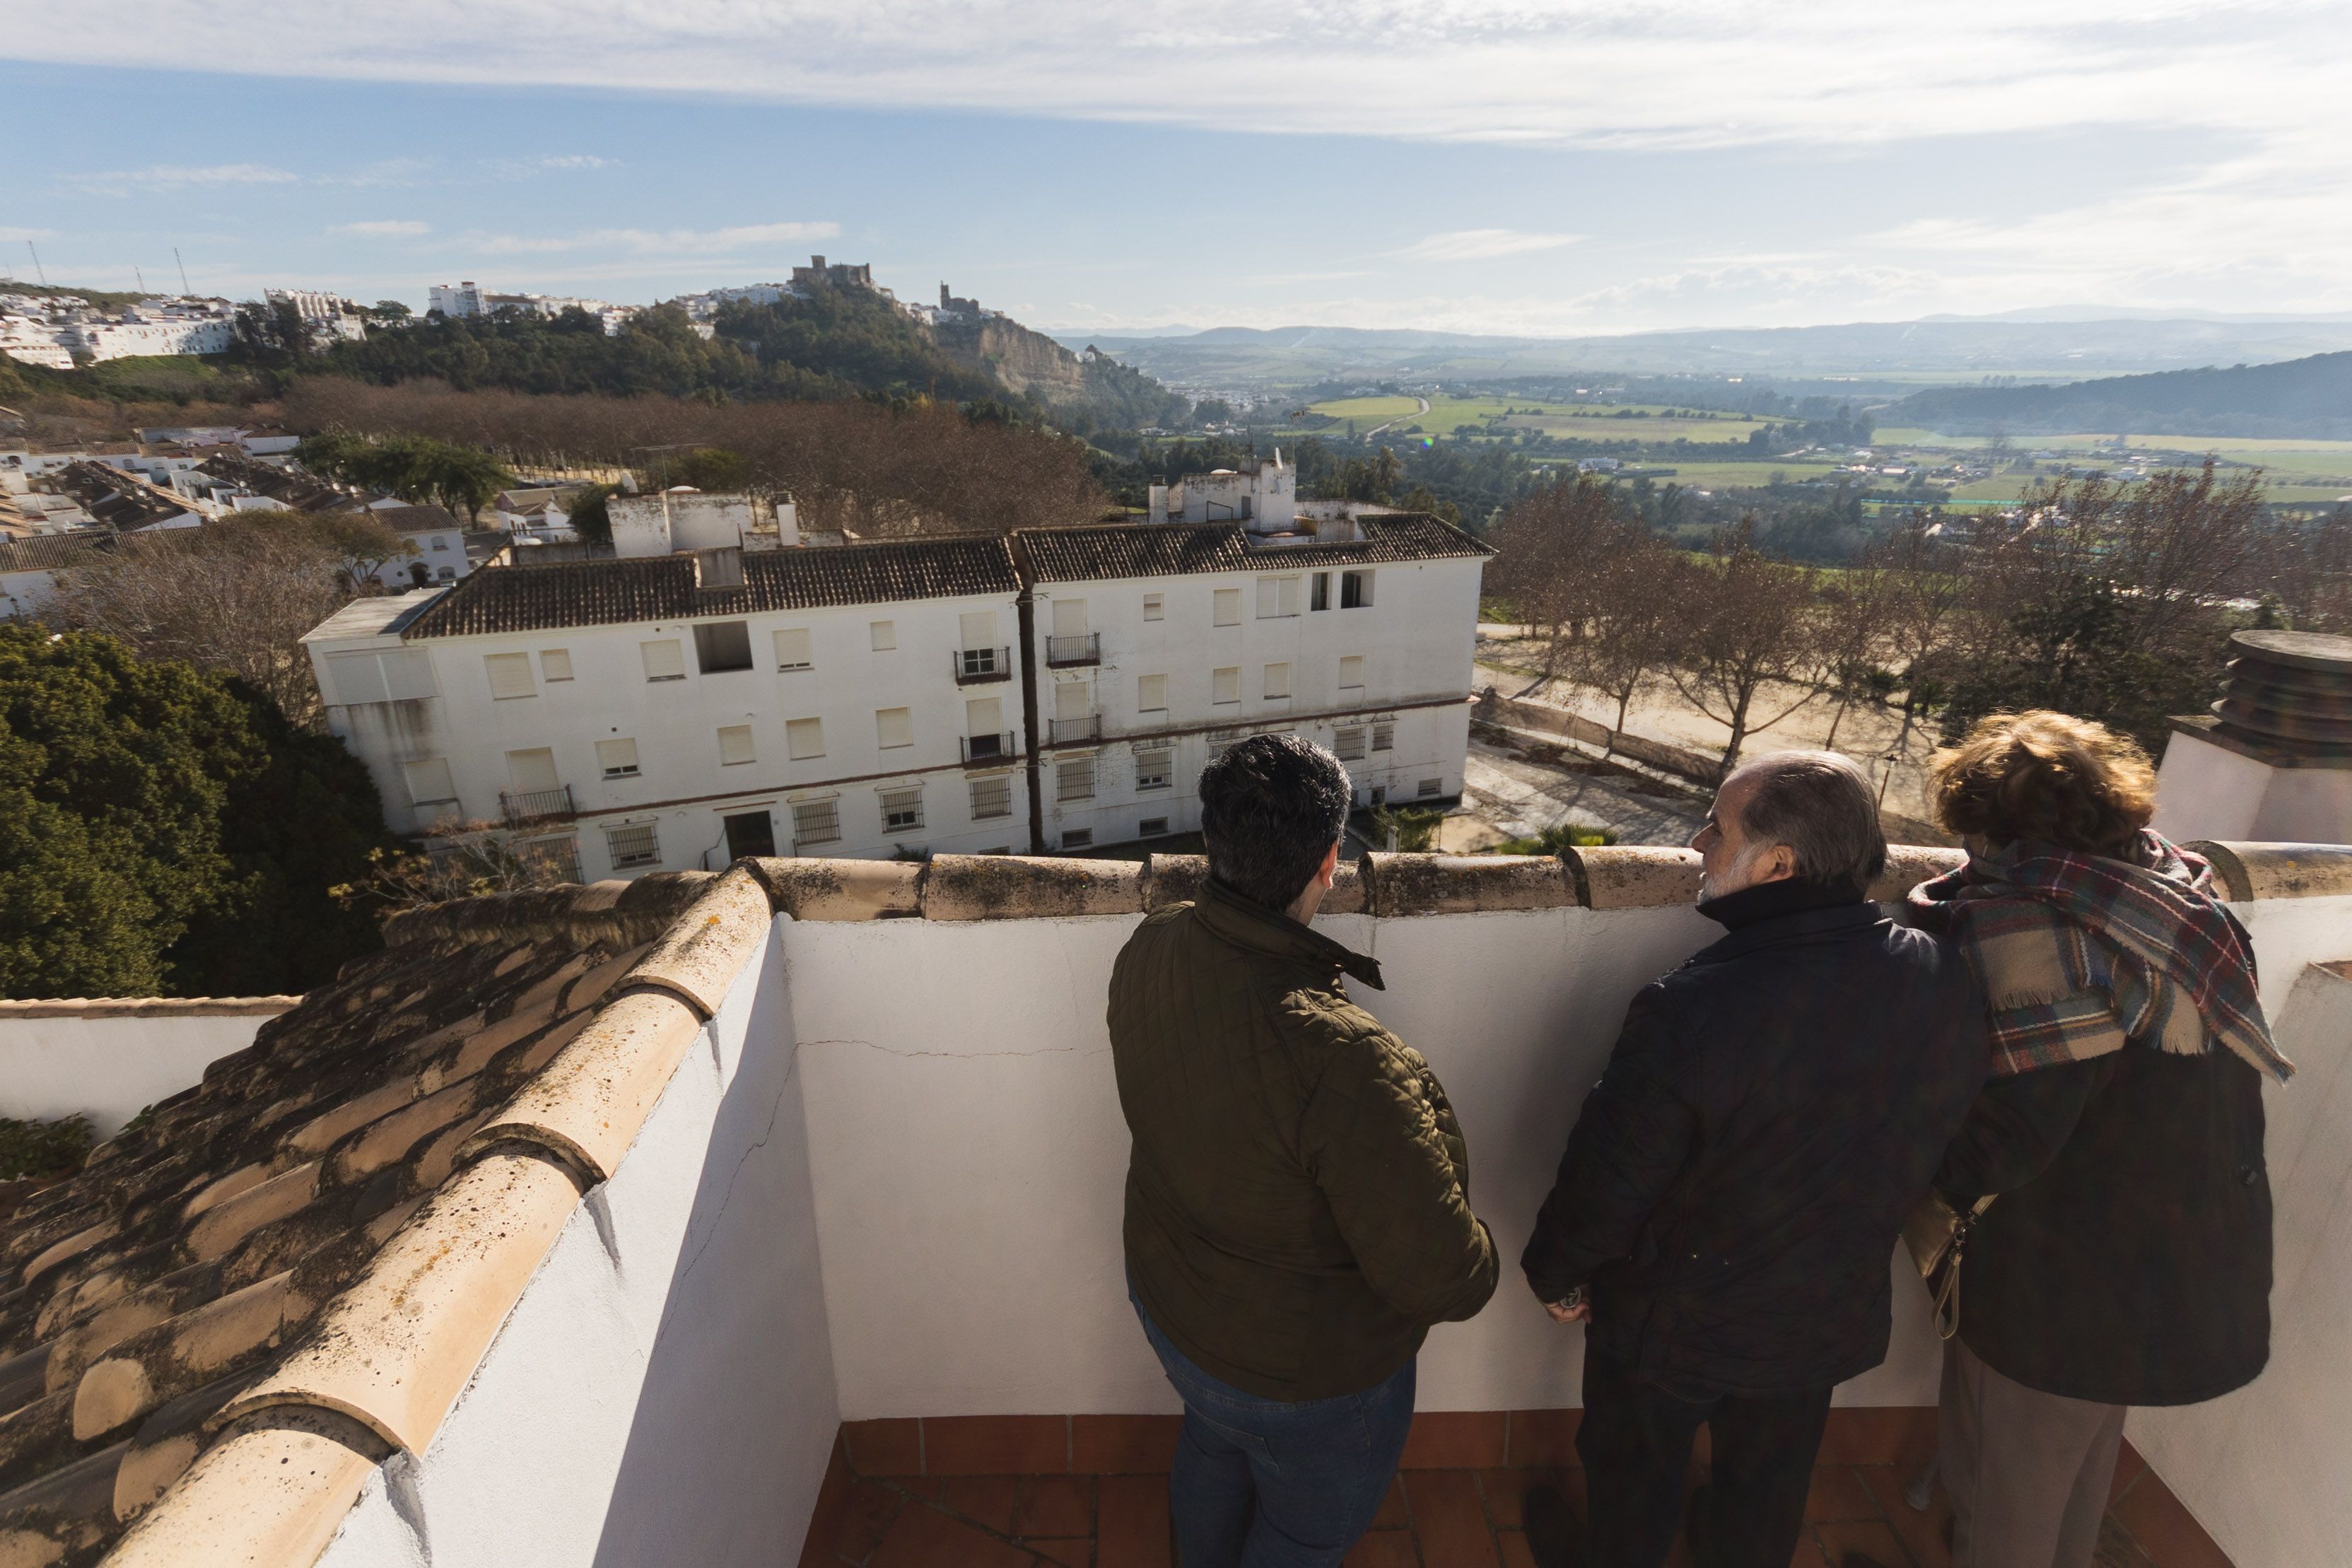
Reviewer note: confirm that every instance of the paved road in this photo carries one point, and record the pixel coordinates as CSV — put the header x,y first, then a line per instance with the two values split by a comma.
x,y
1516,799
1400,419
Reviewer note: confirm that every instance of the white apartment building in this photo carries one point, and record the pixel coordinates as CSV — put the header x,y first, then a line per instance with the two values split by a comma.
x,y
1158,644
672,711
437,538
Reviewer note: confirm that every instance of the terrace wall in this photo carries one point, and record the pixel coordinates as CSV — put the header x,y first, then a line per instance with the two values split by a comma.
x,y
108,1057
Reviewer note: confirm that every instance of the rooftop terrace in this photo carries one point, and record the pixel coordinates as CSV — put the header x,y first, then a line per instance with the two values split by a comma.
x,y
697,1219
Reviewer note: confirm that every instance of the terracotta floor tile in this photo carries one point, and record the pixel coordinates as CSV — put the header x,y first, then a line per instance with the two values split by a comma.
x,y
1123,1444
1131,1522
1449,1519
1503,1490
1055,1506
996,1444
1873,1540
1922,1531
1515,1550
865,1519
983,1499
926,1538
884,1448
1877,1434
1383,1549
1079,1553
1837,1493
2166,1530
1454,1440
1544,1439
1393,1514
2129,1467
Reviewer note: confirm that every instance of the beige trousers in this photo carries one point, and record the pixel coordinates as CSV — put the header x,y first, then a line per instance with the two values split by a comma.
x,y
2028,1473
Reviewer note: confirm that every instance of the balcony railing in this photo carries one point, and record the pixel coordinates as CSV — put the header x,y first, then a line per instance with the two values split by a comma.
x,y
981,750
521,805
1064,653
1074,732
975,665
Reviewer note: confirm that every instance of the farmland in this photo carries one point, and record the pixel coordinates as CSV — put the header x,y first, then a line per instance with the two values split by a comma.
x,y
1576,421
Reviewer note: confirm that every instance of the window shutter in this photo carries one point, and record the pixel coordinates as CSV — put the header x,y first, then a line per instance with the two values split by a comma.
x,y
1277,680
1069,617
1229,606
1072,700
978,628
804,738
664,660
884,633
358,677
894,727
1225,684
532,771
1151,693
1154,607
1352,671
734,744
555,663
616,759
510,675
430,782
984,716
792,648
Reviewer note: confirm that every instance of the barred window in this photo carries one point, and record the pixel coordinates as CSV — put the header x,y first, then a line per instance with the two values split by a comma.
x,y
1074,779
633,846
1428,787
1349,744
1220,742
992,797
1152,827
902,809
1384,737
815,822
1077,838
1154,769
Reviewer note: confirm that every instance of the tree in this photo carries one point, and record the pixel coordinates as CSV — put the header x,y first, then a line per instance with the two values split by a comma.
x,y
468,859
589,516
1854,611
1748,623
1548,542
416,468
1629,620
151,828
235,595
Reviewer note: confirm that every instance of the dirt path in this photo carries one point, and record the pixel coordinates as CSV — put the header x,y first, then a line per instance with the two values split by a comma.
x,y
1401,418
1512,798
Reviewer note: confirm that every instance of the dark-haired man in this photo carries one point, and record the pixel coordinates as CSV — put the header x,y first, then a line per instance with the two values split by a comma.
x,y
1298,1200
1735,1183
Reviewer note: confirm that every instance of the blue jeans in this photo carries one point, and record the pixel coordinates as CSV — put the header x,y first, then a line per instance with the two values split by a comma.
x,y
1268,1483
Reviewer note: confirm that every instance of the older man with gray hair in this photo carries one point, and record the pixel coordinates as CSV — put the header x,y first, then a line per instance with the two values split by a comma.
x,y
1729,1205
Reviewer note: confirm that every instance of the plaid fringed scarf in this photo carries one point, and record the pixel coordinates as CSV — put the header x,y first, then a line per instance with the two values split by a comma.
x,y
2079,953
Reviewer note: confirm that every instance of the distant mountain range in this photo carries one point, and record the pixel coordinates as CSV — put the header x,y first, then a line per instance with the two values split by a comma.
x,y
1963,349
2307,398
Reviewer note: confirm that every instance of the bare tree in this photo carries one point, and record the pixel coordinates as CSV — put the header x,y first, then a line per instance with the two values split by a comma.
x,y
467,858
1925,585
236,594
1549,545
1748,623
1629,617
1852,617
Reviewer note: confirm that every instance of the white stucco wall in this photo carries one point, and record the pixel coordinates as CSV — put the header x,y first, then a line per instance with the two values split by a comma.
x,y
2205,791
663,1392
108,1067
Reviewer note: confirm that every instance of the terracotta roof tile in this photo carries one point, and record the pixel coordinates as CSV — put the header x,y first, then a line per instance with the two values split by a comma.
x,y
1163,548
661,588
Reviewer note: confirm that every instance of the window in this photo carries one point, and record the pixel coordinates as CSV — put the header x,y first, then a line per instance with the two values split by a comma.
x,y
978,629
902,809
1069,617
749,834
664,660
804,738
1384,737
734,744
636,845
441,542
885,635
1318,596
617,758
1155,607
722,645
815,822
430,782
532,771
1229,606
1277,680
893,728
1355,590
1225,684
555,664
1220,742
510,675
1278,597
1152,827
992,797
792,648
1428,787
1074,779
1153,768
1349,744
1351,672
1151,693
984,716
447,574
1077,838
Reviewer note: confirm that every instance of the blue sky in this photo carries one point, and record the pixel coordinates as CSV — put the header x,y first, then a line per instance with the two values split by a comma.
x,y
1533,168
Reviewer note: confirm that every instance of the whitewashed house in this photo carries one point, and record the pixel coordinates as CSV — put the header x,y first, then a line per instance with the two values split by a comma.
x,y
676,712
437,539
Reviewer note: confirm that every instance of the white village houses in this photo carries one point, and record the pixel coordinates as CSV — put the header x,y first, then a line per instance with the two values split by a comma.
x,y
693,701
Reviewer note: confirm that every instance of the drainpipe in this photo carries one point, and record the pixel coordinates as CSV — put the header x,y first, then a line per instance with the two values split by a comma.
x,y
1026,614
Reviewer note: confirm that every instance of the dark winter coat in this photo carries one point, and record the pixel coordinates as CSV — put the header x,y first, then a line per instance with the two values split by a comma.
x,y
1774,1110
2128,1259
1297,1198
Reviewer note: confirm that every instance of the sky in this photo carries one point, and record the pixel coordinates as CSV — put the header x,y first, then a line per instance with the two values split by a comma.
x,y
1504,167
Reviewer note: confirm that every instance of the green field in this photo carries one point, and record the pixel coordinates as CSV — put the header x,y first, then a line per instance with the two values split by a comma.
x,y
1595,422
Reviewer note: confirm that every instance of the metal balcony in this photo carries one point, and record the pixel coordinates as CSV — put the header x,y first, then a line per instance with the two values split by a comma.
x,y
1069,653
979,751
1074,732
978,666
522,805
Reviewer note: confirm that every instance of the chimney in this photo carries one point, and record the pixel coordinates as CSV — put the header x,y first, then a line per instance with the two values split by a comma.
x,y
2273,760
720,568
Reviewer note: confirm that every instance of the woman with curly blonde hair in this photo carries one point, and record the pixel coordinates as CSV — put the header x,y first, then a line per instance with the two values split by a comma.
x,y
2125,1255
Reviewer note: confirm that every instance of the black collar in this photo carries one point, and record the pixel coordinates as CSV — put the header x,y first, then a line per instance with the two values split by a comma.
x,y
1244,922
1768,900
1781,911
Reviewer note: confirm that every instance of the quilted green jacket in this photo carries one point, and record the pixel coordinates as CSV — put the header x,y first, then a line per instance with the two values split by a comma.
x,y
1297,1199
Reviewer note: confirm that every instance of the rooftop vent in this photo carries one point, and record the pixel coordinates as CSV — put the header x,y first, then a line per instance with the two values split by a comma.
x,y
2290,691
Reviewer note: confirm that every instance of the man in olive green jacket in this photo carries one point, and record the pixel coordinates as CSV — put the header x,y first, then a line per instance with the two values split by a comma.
x,y
1297,1199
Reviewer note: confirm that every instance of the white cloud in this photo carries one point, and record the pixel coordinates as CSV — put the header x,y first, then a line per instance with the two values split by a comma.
x,y
19,235
1482,245
576,160
384,228
645,242
160,175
